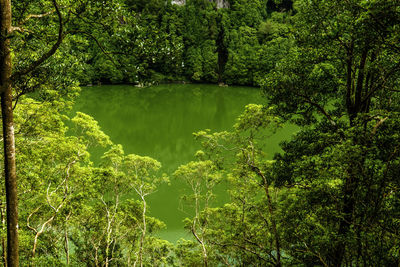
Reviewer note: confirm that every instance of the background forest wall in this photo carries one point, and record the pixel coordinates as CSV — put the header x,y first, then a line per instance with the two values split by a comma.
x,y
189,40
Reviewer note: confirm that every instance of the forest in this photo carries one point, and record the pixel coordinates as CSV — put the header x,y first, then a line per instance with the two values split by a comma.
x,y
329,197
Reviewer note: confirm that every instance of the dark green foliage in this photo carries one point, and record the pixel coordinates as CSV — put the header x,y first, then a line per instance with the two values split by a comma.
x,y
336,82
158,41
280,5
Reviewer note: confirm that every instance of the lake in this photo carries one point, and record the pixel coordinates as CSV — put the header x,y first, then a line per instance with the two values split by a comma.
x,y
159,121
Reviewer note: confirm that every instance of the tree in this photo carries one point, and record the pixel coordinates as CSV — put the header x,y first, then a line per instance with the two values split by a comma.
x,y
70,211
8,134
340,82
53,176
23,35
245,230
201,177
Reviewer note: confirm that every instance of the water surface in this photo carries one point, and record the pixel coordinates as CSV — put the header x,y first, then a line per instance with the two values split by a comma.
x,y
159,121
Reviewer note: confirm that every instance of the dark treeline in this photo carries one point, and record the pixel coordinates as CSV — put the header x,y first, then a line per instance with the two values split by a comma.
x,y
157,41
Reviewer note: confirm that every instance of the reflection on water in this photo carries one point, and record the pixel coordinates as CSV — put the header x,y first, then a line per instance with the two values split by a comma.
x,y
158,122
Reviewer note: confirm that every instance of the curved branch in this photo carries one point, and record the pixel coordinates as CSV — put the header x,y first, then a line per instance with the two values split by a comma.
x,y
28,220
308,100
49,53
378,124
103,50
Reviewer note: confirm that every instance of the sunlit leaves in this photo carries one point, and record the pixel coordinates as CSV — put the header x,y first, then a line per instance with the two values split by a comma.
x,y
87,127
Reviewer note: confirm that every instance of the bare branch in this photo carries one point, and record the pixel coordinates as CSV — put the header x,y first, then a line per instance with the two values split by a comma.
x,y
19,29
30,16
48,198
378,124
28,220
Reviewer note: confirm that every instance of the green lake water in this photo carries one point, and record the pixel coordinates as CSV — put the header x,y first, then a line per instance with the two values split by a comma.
x,y
159,121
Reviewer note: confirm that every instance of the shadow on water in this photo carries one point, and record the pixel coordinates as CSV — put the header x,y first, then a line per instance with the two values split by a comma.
x,y
220,110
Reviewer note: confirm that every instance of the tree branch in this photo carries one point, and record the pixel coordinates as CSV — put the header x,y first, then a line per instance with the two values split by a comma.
x,y
378,124
383,82
49,53
319,107
35,16
103,50
18,29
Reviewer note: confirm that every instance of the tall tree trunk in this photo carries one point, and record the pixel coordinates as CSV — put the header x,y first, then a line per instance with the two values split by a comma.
x,y
195,220
339,250
271,213
66,239
221,49
8,134
3,241
354,107
144,229
349,81
360,81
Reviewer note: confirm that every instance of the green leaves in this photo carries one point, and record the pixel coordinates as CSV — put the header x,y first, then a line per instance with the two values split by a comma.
x,y
86,127
64,195
255,117
241,230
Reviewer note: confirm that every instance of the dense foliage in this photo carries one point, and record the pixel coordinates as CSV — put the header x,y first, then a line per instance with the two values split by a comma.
x,y
330,198
156,41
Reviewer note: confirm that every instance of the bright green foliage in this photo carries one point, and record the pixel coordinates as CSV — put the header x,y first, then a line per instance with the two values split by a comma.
x,y
241,232
115,223
88,129
256,117
188,253
70,211
201,177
